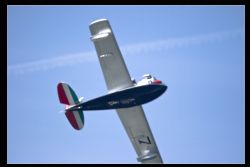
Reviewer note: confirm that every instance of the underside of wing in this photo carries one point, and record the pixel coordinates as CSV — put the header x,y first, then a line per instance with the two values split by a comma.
x,y
113,66
117,77
138,130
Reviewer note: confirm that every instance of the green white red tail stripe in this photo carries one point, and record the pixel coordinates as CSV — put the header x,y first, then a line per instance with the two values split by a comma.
x,y
67,96
76,119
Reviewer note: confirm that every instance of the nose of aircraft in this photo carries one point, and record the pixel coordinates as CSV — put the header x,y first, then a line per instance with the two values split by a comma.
x,y
165,87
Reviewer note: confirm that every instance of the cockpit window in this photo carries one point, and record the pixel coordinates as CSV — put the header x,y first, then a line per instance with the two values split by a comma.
x,y
148,76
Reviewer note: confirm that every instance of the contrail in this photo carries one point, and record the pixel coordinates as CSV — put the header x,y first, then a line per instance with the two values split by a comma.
x,y
132,49
51,63
171,43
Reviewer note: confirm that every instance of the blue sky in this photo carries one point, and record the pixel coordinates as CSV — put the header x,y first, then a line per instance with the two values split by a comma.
x,y
198,51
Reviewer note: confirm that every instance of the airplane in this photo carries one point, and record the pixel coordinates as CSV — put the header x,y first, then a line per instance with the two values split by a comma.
x,y
125,95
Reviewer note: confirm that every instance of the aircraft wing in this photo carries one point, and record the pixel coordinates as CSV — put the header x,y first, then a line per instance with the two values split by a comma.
x,y
117,77
138,130
113,66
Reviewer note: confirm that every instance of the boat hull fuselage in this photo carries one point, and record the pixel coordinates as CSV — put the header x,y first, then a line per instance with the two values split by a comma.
x,y
125,98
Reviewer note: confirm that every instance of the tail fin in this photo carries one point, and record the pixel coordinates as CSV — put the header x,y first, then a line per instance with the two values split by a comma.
x,y
76,119
67,96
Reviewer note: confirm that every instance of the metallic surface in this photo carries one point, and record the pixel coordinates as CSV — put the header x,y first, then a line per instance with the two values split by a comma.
x,y
116,73
117,78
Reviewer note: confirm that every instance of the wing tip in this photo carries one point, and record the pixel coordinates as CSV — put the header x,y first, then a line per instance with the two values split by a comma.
x,y
98,26
97,21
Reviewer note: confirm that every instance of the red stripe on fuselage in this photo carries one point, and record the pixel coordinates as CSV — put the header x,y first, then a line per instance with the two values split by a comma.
x,y
157,81
72,119
61,93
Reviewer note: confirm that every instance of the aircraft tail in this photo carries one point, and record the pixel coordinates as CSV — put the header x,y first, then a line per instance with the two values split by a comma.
x,y
67,96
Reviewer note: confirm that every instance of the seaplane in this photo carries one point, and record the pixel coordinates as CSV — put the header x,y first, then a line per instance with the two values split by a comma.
x,y
125,95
